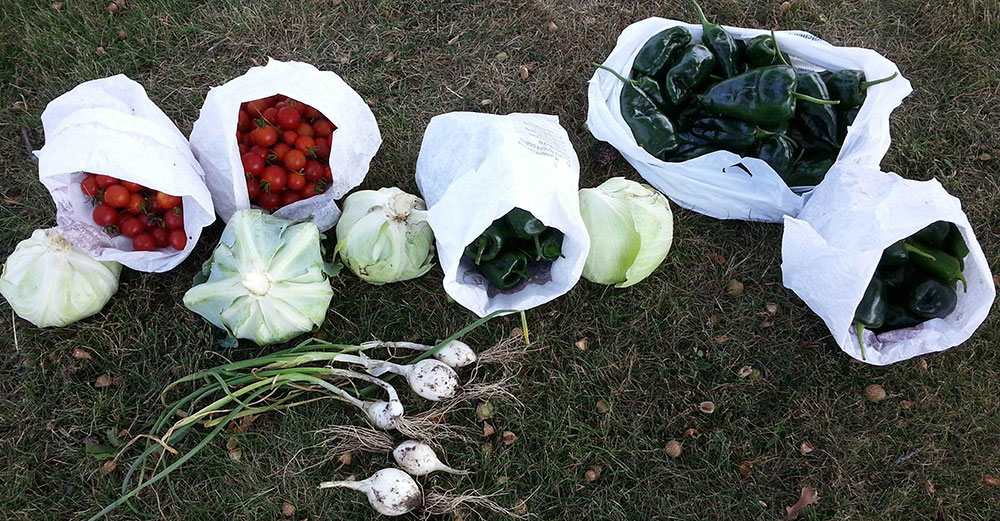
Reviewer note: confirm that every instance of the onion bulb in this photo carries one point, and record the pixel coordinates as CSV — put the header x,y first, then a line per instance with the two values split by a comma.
x,y
419,459
390,491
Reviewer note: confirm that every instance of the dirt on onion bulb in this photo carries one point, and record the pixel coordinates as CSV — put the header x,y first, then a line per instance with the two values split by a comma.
x,y
419,459
430,379
456,353
390,491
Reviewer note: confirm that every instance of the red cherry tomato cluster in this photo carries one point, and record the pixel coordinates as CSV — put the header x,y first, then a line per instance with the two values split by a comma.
x,y
151,219
285,150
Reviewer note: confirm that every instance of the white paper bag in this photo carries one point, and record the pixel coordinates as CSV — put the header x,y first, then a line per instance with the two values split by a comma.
x,y
473,169
711,184
109,126
352,145
830,252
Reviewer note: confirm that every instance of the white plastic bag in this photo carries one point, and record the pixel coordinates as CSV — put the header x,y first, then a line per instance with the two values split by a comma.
x,y
830,252
109,126
473,169
711,184
352,145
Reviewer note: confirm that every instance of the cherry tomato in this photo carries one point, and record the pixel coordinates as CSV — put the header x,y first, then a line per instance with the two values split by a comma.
x,y
253,164
270,116
243,122
257,107
160,235
243,148
89,186
306,145
131,227
105,215
178,239
295,160
295,182
312,113
265,136
135,205
322,128
144,242
289,118
263,152
289,196
174,219
167,201
143,220
269,200
273,179
132,187
289,136
300,107
278,152
328,174
116,196
105,181
253,189
313,170
305,129
322,148
308,190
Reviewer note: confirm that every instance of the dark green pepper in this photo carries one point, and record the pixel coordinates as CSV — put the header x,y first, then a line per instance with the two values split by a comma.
x,y
808,172
897,317
506,270
690,71
870,312
730,134
845,118
955,243
778,151
849,86
939,265
654,91
661,51
818,122
523,225
895,277
488,244
761,52
899,252
934,234
931,299
550,245
765,96
690,151
721,43
650,127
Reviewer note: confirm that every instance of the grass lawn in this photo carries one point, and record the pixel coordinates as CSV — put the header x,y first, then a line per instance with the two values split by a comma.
x,y
655,351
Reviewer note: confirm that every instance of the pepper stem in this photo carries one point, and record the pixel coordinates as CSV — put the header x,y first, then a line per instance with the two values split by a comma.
x,y
818,101
865,85
538,248
965,283
612,71
777,49
913,249
859,328
479,256
701,14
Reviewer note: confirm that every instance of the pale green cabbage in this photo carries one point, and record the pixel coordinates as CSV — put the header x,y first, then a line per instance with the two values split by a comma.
x,y
631,229
49,282
383,236
266,280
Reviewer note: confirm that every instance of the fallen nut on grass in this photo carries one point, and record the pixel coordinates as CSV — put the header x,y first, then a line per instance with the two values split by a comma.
x,y
706,407
745,371
875,393
734,288
673,449
690,433
805,448
288,510
592,474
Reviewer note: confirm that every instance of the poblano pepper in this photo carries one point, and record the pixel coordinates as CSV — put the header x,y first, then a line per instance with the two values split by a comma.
x,y
778,151
651,128
523,225
730,134
688,151
818,122
897,317
870,312
721,43
845,118
488,244
934,234
764,96
849,86
661,51
506,270
931,299
550,245
690,71
940,265
955,243
761,52
808,172
899,252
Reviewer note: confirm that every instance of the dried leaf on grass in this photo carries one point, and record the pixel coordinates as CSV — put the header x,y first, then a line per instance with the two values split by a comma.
x,y
80,354
241,426
106,380
807,497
